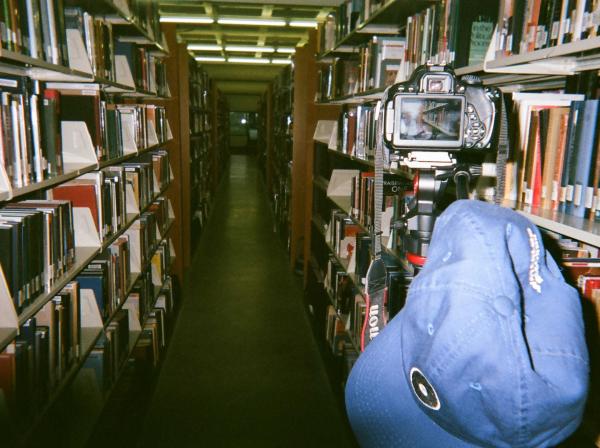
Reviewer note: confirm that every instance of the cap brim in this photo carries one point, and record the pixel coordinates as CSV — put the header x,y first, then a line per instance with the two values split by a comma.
x,y
380,404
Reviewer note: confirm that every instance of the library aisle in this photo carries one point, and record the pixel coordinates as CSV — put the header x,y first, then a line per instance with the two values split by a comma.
x,y
243,369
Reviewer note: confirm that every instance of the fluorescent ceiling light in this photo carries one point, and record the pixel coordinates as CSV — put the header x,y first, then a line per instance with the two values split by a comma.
x,y
187,19
287,50
204,47
281,61
255,22
250,49
209,59
303,23
249,60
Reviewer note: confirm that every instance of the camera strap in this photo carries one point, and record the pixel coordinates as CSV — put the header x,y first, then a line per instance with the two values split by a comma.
x,y
376,291
503,153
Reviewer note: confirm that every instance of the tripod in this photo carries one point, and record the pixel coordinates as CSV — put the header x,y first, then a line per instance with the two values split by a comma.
x,y
415,225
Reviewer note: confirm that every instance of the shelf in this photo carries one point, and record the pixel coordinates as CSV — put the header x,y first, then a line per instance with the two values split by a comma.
x,y
111,162
129,30
469,69
17,63
73,171
580,229
370,162
89,337
568,49
344,203
386,20
83,257
358,98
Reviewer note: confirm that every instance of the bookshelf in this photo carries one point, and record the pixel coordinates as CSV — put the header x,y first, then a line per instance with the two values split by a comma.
x,y
129,227
280,154
219,125
551,68
201,148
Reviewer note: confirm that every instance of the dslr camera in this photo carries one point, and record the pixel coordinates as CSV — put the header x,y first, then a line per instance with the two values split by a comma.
x,y
434,111
443,127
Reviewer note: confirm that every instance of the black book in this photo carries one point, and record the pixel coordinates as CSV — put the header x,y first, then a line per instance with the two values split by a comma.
x,y
42,363
6,256
363,255
517,25
15,282
51,132
61,32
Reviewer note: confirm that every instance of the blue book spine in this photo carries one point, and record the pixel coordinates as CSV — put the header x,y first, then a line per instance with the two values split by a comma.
x,y
584,153
96,284
568,173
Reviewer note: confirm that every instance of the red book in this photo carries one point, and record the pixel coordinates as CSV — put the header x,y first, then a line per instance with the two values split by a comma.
x,y
81,193
8,377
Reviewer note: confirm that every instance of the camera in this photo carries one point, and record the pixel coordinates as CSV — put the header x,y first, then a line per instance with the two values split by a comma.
x,y
434,111
444,128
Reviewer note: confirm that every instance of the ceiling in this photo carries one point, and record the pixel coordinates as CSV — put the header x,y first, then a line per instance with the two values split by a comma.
x,y
235,79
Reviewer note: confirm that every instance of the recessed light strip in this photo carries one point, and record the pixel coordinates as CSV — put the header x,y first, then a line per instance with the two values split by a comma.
x,y
210,59
249,60
303,23
251,21
201,20
241,60
249,49
204,47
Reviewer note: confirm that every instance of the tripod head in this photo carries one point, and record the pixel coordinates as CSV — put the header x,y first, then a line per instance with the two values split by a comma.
x,y
415,225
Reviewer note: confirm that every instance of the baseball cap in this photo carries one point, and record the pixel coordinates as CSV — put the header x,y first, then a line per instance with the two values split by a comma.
x,y
489,349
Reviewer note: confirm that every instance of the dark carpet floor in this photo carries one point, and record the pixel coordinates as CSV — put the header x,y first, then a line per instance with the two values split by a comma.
x,y
243,369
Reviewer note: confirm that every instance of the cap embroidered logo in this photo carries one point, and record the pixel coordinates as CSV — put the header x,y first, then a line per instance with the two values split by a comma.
x,y
424,390
535,279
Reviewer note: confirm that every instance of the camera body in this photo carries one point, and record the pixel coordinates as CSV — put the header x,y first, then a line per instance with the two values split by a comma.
x,y
434,111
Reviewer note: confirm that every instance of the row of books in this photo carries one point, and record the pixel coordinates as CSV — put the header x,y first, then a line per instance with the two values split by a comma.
x,y
146,15
348,301
113,348
108,277
37,246
580,263
362,198
148,70
357,130
35,28
105,192
47,347
555,163
31,140
528,25
200,122
199,87
43,29
344,20
107,357
456,32
98,40
375,66
153,340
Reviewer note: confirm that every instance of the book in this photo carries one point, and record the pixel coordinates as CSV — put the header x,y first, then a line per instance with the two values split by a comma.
x,y
581,161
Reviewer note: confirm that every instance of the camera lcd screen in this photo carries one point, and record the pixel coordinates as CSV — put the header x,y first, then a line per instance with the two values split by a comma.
x,y
429,122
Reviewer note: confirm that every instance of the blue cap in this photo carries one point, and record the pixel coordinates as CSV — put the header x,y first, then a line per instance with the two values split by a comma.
x,y
489,349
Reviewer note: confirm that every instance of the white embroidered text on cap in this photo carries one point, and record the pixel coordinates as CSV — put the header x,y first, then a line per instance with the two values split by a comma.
x,y
535,279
